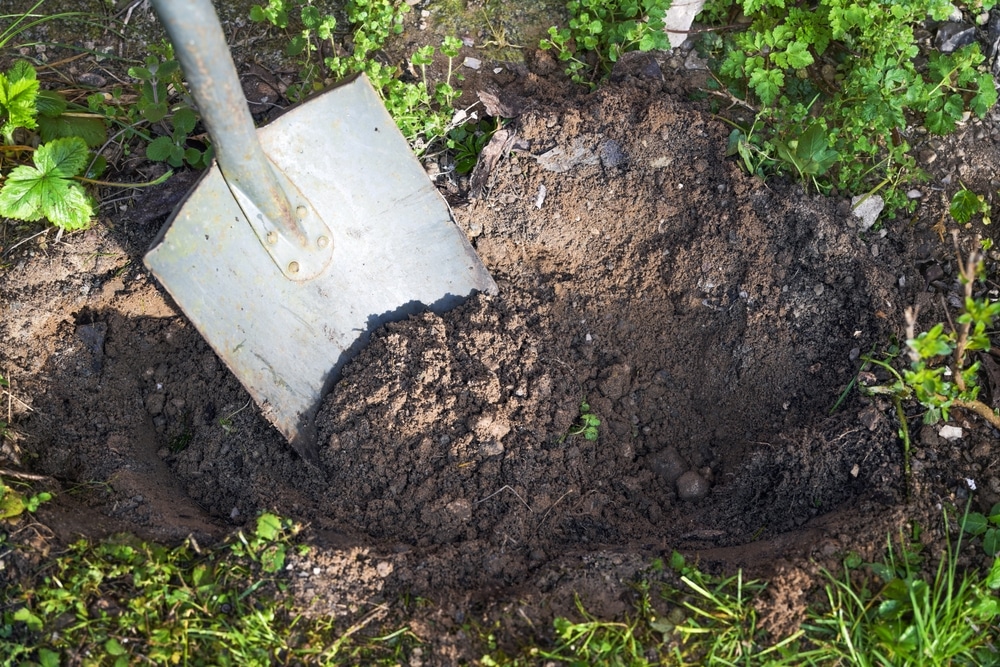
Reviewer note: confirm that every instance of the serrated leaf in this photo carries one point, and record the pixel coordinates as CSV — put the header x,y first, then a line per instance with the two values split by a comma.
x,y
268,526
64,157
17,101
798,56
184,121
767,84
938,122
31,193
965,204
67,205
93,131
986,97
159,149
50,103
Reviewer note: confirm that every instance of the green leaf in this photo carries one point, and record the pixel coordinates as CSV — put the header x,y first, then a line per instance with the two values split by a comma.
x,y
965,204
986,97
45,190
268,526
184,120
991,541
114,647
18,94
24,615
159,149
993,578
974,523
62,157
92,130
11,504
50,103
48,658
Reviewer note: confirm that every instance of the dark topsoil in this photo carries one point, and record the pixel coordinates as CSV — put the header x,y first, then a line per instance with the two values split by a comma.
x,y
710,320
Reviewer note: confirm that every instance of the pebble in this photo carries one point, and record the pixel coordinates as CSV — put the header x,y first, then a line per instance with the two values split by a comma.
x,y
914,194
953,36
692,486
668,464
927,156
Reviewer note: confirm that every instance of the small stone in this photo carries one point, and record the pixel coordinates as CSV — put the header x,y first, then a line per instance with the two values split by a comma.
x,y
692,486
819,289
472,63
384,568
949,432
953,36
914,194
866,209
668,464
491,448
927,156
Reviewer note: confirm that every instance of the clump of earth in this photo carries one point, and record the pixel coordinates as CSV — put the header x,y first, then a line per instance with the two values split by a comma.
x,y
708,319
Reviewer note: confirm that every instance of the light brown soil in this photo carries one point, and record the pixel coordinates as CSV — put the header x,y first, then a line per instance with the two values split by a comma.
x,y
708,319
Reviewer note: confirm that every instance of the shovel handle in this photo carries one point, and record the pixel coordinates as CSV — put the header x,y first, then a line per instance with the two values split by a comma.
x,y
200,46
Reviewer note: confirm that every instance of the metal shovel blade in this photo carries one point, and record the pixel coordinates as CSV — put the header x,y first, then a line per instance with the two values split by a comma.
x,y
396,251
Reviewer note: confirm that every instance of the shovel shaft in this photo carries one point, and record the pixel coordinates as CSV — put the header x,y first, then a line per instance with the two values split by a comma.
x,y
201,49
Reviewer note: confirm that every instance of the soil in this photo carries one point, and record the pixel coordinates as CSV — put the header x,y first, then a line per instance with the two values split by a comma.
x,y
709,320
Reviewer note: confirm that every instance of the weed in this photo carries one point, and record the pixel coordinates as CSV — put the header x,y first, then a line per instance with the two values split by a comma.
x,y
841,78
467,142
988,526
585,425
884,613
600,31
157,78
422,110
123,601
966,204
227,422
940,376
14,503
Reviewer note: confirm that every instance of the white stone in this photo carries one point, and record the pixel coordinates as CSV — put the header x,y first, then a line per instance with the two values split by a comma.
x,y
949,432
866,209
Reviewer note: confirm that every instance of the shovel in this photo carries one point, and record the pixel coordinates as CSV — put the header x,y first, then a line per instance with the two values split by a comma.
x,y
305,236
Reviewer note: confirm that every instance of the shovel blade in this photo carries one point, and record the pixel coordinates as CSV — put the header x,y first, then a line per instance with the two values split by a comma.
x,y
397,251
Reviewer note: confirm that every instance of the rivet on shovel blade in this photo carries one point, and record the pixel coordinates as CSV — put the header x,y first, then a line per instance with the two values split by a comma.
x,y
272,237
323,241
293,267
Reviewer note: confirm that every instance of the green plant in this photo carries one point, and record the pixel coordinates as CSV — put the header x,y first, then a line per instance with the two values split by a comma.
x,y
988,526
849,70
422,110
966,204
895,617
586,424
14,503
467,141
940,375
600,31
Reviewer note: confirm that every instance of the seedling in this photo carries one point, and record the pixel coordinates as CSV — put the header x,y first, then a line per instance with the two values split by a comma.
x,y
14,503
586,424
988,526
966,204
467,142
227,422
